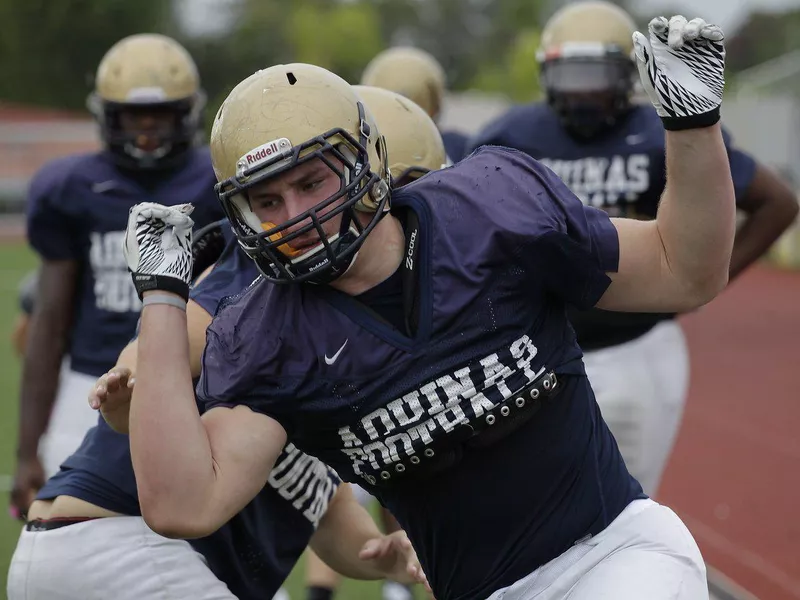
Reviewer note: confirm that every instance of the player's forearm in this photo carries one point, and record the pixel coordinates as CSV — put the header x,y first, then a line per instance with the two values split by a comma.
x,y
697,216
343,531
43,356
169,446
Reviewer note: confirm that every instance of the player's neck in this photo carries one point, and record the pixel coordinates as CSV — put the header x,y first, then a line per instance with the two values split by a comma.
x,y
379,257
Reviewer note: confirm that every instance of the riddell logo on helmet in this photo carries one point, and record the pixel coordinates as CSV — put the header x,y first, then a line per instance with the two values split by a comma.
x,y
261,153
266,152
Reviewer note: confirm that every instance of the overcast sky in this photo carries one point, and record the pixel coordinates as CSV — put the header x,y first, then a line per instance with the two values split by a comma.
x,y
204,15
728,14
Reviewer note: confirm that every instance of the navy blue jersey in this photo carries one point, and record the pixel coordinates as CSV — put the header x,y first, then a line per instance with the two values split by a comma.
x,y
255,551
78,210
503,247
622,171
455,144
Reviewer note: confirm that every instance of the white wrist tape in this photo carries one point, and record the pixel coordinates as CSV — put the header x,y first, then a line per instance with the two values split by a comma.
x,y
164,299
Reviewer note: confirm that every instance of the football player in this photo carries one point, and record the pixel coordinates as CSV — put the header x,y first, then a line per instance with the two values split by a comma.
x,y
421,347
148,102
417,75
415,147
252,555
610,151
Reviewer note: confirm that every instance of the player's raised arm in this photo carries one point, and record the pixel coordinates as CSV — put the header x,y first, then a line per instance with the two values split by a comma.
x,y
216,464
112,393
681,260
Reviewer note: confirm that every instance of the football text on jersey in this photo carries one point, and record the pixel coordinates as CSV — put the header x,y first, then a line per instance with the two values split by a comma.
x,y
304,481
607,182
408,424
113,289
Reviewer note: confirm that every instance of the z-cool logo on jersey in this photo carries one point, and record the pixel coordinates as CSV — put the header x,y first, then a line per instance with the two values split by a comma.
x,y
406,425
304,481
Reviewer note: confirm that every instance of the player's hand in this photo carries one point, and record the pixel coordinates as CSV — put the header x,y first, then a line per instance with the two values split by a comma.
x,y
111,395
395,557
28,480
682,68
157,247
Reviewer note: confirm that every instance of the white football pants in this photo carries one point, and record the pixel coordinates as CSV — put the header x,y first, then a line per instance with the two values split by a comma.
x,y
641,388
112,557
645,553
70,420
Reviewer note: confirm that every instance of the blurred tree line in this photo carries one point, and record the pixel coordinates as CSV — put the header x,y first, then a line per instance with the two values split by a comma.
x,y
49,49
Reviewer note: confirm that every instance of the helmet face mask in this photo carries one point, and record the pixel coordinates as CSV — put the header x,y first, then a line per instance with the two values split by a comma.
x,y
148,102
171,130
330,232
586,66
589,93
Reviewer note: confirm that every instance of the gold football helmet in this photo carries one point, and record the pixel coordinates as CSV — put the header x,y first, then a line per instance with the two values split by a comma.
x,y
410,72
282,117
153,75
413,142
586,65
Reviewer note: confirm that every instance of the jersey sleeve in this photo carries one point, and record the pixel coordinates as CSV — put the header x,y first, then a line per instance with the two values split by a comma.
x,y
52,228
743,166
233,358
568,248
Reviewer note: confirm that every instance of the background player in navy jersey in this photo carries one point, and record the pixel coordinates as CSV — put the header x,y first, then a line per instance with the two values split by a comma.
x,y
610,152
424,350
415,74
147,100
86,539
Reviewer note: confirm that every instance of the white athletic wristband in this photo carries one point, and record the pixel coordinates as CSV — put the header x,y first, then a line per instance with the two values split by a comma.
x,y
164,299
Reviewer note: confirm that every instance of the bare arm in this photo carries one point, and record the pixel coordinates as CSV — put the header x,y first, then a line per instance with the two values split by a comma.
x,y
771,206
46,345
347,529
680,260
193,474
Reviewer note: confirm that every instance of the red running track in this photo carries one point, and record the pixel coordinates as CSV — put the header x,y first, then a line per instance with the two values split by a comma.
x,y
734,476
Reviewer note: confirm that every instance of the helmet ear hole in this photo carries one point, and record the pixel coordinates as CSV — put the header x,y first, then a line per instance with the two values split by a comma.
x,y
291,78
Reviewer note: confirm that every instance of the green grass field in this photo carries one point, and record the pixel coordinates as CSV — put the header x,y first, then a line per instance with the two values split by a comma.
x,y
15,262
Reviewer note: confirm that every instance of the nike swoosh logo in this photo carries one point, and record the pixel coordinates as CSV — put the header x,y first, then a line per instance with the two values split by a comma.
x,y
633,139
330,361
104,186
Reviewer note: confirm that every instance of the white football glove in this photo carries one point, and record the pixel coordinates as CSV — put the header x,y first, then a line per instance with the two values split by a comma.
x,y
682,68
158,247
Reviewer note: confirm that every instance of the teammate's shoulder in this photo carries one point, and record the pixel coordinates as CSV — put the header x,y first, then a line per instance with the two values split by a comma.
x,y
483,182
238,343
55,176
519,127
